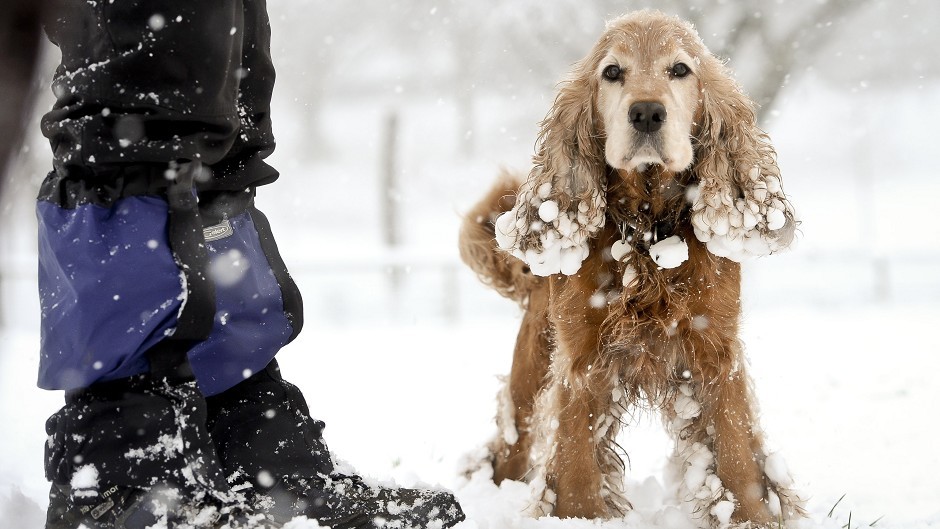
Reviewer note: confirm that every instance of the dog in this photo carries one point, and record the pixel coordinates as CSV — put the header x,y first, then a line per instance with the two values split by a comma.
x,y
650,184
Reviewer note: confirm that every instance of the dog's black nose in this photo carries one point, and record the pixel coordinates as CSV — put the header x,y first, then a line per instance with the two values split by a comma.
x,y
647,116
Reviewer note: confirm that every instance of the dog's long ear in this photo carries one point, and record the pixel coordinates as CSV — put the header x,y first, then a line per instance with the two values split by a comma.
x,y
562,203
740,209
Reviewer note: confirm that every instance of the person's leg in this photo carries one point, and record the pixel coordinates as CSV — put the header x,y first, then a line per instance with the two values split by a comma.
x,y
127,264
145,96
130,446
260,430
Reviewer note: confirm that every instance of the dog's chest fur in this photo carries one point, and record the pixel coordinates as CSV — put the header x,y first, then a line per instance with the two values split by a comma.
x,y
648,316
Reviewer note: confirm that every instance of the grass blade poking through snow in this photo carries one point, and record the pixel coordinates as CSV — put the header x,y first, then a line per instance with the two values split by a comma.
x,y
833,509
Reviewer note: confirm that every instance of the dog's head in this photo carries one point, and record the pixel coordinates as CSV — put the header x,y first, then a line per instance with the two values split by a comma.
x,y
644,79
648,94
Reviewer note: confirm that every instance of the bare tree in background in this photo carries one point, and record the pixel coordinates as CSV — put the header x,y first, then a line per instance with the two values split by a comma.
x,y
467,26
773,43
767,42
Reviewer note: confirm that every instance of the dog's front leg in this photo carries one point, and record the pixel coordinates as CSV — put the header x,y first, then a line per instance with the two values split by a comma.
x,y
760,483
720,448
574,473
578,415
570,479
718,455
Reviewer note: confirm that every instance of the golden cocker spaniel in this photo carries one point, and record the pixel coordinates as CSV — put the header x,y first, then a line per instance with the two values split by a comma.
x,y
651,182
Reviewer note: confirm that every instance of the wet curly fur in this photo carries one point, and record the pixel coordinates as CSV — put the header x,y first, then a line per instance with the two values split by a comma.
x,y
592,346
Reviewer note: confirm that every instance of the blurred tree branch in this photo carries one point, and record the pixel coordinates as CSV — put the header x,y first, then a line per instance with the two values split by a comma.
x,y
796,48
550,37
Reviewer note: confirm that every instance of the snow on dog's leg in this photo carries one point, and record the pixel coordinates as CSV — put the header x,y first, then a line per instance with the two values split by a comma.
x,y
739,450
782,500
506,416
502,449
692,472
545,423
724,473
606,427
692,466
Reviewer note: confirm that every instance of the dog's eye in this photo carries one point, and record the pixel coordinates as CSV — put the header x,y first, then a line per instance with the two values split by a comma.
x,y
680,69
612,72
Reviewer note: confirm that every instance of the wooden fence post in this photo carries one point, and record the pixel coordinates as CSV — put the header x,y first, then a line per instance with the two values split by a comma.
x,y
389,195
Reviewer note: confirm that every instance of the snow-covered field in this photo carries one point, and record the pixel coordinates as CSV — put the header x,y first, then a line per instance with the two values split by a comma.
x,y
848,396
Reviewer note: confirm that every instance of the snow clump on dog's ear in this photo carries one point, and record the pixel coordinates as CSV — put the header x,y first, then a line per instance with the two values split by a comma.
x,y
739,209
562,205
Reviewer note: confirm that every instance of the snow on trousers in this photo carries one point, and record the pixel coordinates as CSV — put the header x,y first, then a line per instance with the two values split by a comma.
x,y
160,282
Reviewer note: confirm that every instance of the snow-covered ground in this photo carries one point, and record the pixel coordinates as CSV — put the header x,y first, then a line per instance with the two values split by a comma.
x,y
848,396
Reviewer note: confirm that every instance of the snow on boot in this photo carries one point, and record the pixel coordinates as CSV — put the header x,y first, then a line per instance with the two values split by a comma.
x,y
266,441
134,452
138,432
262,429
293,496
119,507
415,508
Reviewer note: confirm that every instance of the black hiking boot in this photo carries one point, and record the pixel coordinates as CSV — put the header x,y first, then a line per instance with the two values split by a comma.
x,y
401,508
347,502
132,508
